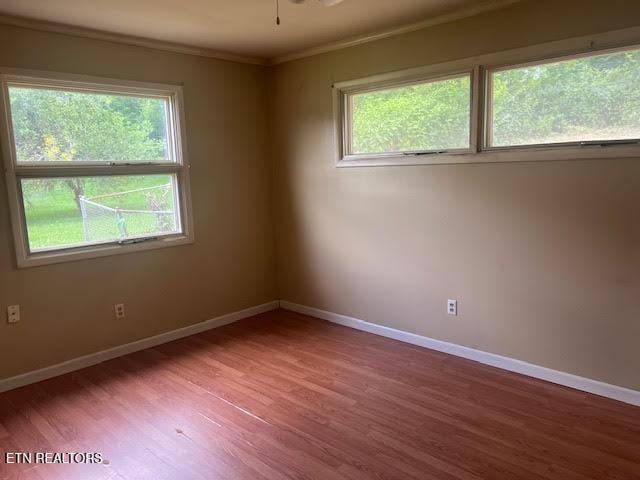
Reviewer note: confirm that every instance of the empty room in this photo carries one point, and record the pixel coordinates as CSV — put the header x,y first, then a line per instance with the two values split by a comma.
x,y
320,239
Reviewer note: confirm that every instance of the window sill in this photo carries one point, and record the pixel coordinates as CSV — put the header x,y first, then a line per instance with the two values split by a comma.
x,y
498,155
41,258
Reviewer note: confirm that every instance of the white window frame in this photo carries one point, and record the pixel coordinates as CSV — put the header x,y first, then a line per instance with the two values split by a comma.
x,y
488,103
177,164
482,66
343,94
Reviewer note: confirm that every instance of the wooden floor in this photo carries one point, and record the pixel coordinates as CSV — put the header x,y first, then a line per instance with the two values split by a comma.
x,y
284,396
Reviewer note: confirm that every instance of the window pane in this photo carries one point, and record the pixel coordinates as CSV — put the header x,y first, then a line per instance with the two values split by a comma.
x,y
585,99
75,211
422,117
60,126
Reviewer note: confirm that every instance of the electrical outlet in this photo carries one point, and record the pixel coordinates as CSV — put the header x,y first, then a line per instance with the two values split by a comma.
x,y
452,307
119,308
13,313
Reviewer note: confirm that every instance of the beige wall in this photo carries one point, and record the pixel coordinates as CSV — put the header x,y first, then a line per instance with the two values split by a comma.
x,y
544,258
67,309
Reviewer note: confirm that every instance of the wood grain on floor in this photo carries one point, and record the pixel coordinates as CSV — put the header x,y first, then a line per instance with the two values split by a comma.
x,y
286,396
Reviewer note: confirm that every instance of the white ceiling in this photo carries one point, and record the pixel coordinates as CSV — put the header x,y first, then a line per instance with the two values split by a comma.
x,y
245,27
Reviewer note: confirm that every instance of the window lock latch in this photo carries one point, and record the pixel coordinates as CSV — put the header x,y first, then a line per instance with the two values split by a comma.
x,y
136,240
608,144
129,164
419,154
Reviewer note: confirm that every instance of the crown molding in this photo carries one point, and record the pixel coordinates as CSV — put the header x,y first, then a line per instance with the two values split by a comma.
x,y
75,31
372,37
64,29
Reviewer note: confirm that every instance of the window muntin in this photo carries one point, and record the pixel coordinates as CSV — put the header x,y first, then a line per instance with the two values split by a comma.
x,y
589,98
70,212
424,116
64,159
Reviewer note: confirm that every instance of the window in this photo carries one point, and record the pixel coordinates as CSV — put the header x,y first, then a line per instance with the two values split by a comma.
x,y
582,106
589,98
94,167
407,117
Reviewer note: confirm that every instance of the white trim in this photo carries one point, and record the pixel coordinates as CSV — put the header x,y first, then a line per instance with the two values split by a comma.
x,y
63,29
372,37
506,155
104,355
615,392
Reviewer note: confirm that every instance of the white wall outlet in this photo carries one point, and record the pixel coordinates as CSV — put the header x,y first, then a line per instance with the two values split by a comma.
x,y
452,307
13,313
119,309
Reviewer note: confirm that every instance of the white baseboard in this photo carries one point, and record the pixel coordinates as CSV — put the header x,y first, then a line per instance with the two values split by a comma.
x,y
104,355
511,364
